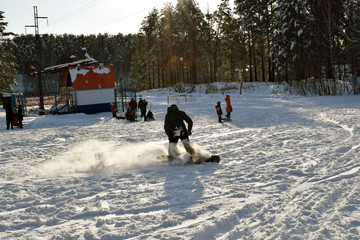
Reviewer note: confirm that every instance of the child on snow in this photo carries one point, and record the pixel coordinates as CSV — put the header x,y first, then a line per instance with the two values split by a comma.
x,y
219,111
228,107
150,116
129,115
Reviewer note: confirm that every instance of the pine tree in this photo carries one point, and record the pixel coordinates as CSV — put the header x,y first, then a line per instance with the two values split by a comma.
x,y
291,37
190,19
232,42
350,30
8,67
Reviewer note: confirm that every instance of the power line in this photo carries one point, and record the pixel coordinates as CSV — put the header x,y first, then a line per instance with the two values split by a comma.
x,y
78,10
119,19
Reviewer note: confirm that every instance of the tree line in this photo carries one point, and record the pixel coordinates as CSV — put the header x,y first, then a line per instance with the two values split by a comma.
x,y
267,40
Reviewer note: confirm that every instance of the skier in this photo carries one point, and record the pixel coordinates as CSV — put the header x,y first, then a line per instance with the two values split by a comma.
x,y
175,129
219,111
228,107
9,117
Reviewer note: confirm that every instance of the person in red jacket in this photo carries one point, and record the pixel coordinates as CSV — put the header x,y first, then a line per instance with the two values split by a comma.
x,y
129,116
113,109
228,107
133,105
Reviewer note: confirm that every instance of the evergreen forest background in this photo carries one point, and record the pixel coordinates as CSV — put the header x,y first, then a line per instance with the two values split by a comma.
x,y
298,41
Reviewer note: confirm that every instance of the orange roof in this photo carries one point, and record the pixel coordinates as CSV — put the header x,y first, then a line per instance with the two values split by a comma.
x,y
91,77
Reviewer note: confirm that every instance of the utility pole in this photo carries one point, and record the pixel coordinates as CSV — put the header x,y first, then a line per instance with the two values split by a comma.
x,y
38,49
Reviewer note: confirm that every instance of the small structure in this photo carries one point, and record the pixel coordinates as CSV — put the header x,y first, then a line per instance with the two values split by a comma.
x,y
92,88
14,99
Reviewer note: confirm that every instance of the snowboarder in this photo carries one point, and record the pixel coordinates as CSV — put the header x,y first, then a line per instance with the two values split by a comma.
x,y
228,107
113,109
175,129
150,116
219,111
129,115
133,105
9,117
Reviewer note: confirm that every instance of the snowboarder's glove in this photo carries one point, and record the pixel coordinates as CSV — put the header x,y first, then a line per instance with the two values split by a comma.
x,y
189,133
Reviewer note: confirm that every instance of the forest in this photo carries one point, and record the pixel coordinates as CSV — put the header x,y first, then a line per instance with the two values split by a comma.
x,y
311,41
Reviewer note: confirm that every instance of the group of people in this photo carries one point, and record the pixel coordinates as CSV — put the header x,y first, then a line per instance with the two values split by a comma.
x,y
228,110
130,113
13,119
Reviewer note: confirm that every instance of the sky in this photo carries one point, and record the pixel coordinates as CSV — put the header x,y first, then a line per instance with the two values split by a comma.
x,y
84,16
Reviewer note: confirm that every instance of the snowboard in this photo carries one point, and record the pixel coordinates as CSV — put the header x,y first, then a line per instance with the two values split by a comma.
x,y
213,158
187,160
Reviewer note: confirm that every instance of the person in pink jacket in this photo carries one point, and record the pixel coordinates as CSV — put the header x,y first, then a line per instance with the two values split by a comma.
x,y
228,107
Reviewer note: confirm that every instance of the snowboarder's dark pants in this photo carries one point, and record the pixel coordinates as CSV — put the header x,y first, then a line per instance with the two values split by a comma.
x,y
10,122
184,137
175,139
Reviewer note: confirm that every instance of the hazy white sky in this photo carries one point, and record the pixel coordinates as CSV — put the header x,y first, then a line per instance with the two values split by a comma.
x,y
84,16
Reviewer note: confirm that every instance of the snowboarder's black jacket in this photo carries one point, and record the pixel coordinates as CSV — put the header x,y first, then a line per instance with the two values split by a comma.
x,y
175,119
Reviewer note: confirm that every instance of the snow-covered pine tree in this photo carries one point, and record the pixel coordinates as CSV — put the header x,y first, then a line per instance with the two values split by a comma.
x,y
8,67
291,37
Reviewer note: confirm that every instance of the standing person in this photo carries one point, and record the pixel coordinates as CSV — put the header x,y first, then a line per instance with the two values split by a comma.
x,y
9,117
219,111
228,107
133,105
175,129
20,116
113,109
140,105
143,109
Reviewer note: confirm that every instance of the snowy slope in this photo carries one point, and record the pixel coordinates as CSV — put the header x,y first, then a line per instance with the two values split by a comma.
x,y
289,170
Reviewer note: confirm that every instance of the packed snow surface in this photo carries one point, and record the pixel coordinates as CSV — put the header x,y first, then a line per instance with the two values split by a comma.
x,y
289,169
